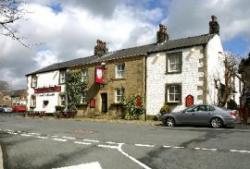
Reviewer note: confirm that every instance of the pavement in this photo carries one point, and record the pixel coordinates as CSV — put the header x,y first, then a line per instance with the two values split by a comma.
x,y
42,144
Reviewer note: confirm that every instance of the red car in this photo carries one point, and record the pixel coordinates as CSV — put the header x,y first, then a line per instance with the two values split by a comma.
x,y
19,108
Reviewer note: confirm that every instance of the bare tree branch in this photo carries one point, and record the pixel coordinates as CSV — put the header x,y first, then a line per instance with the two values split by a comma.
x,y
10,12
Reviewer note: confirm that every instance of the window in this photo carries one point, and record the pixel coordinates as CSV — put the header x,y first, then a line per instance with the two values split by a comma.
x,y
173,93
174,62
120,69
84,75
84,97
45,103
62,77
119,95
34,81
33,101
62,99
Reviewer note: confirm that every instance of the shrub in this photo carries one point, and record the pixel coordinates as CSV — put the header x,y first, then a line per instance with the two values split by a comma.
x,y
60,108
231,104
134,107
165,109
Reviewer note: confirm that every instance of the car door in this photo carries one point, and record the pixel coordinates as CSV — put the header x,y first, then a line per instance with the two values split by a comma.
x,y
201,115
186,116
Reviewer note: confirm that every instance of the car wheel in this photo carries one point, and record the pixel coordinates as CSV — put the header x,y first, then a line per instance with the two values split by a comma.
x,y
170,122
216,122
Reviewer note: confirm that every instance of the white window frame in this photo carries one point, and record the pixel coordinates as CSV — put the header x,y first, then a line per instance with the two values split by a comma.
x,y
119,95
84,75
33,101
62,95
172,89
62,77
119,71
84,97
174,62
33,81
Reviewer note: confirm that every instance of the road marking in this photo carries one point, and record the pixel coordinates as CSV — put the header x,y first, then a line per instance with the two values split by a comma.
x,y
178,147
209,149
92,165
42,137
132,158
107,146
91,140
166,146
37,134
54,136
26,135
197,148
111,142
80,142
59,139
144,145
239,151
69,138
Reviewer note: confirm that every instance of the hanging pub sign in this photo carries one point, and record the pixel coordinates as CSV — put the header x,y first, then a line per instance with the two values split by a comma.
x,y
189,101
99,75
48,89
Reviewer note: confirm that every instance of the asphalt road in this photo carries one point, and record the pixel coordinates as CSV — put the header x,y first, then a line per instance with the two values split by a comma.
x,y
45,144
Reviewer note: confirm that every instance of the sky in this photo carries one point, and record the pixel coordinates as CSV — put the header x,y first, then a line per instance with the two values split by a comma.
x,y
61,30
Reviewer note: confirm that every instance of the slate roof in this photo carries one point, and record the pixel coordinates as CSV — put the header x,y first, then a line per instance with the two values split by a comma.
x,y
131,52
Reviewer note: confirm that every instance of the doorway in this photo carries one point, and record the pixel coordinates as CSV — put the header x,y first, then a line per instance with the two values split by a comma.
x,y
104,97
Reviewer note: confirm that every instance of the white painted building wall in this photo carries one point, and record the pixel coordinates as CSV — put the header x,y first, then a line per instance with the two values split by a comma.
x,y
47,79
215,68
188,78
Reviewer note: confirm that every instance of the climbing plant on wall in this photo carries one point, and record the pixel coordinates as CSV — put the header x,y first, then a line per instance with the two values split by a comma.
x,y
75,85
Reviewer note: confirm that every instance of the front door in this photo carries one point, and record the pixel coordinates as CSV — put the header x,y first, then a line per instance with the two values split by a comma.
x,y
104,98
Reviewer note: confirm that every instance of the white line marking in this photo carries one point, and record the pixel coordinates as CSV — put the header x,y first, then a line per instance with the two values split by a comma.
x,y
42,137
165,146
107,146
26,135
90,140
80,142
37,134
111,142
144,145
12,133
59,139
132,158
177,147
54,136
209,149
92,165
69,138
239,151
197,148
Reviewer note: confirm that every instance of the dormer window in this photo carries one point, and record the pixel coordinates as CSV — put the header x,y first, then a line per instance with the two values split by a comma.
x,y
62,77
34,81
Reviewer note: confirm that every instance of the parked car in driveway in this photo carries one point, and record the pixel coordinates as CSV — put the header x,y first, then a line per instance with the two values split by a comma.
x,y
201,115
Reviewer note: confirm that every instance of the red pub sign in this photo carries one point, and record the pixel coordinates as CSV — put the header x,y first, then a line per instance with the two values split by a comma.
x,y
99,75
189,101
48,89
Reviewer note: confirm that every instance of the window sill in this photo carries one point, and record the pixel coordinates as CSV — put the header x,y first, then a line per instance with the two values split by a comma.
x,y
117,79
179,72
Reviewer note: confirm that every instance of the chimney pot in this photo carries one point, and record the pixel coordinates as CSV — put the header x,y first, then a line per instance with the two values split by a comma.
x,y
100,48
214,27
162,35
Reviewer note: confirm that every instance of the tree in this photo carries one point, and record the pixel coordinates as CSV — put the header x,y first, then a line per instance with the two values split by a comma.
x,y
4,86
75,86
226,90
10,12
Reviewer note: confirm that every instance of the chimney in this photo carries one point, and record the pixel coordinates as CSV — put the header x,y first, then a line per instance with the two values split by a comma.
x,y
100,48
162,35
214,27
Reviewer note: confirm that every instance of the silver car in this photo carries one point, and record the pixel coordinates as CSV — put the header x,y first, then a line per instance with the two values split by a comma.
x,y
201,115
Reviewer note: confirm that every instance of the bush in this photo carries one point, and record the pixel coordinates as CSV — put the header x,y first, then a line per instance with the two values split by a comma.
x,y
165,109
231,104
60,108
134,107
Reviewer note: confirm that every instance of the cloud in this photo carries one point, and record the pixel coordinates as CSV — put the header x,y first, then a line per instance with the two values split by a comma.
x,y
187,18
72,33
